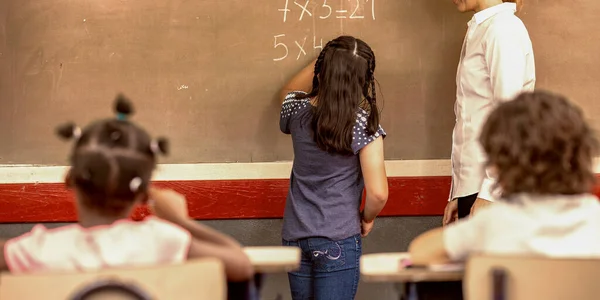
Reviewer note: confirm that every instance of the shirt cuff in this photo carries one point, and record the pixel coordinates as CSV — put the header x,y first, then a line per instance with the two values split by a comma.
x,y
487,191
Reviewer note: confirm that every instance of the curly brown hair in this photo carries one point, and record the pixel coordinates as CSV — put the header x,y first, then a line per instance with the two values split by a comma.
x,y
541,144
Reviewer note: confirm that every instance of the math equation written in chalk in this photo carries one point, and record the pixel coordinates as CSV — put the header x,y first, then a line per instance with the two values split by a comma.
x,y
286,47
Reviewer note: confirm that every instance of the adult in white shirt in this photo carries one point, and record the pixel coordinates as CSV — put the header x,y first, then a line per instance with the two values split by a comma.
x,y
542,150
496,64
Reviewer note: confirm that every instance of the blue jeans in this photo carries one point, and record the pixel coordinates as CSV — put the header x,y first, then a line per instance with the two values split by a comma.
x,y
329,270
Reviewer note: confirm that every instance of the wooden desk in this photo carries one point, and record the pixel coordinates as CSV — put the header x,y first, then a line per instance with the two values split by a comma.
x,y
267,260
274,259
386,267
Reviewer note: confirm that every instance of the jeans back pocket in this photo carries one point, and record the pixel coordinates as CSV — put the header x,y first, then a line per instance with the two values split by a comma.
x,y
331,256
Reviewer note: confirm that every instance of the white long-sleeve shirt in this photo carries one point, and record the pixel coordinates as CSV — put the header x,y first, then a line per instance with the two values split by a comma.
x,y
496,64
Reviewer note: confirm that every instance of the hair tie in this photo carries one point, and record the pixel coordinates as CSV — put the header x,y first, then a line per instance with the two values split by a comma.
x,y
121,116
155,147
76,132
134,184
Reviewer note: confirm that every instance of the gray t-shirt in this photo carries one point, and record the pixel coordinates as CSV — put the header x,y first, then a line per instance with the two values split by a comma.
x,y
325,189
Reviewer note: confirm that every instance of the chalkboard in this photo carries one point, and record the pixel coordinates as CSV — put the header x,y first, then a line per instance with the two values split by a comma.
x,y
206,73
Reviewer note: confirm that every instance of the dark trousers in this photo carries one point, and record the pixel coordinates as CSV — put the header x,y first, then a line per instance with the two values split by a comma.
x,y
447,290
435,291
464,205
248,290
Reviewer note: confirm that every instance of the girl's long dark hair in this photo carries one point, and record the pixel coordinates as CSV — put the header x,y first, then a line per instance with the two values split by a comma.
x,y
343,82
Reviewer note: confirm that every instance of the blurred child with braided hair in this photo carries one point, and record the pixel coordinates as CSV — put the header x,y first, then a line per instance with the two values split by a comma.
x,y
330,110
111,166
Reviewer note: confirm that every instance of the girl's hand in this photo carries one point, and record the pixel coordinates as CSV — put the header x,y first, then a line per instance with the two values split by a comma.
x,y
366,227
168,205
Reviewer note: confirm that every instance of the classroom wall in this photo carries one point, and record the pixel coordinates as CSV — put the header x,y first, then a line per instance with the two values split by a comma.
x,y
218,191
390,234
206,73
200,76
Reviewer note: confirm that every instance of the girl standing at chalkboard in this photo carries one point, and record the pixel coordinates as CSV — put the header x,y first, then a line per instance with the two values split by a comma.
x,y
496,64
330,110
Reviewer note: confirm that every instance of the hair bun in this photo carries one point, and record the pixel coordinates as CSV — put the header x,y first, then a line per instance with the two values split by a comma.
x,y
123,105
68,131
160,146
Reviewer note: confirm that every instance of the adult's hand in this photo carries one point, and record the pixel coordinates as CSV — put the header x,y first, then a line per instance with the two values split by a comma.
x,y
451,212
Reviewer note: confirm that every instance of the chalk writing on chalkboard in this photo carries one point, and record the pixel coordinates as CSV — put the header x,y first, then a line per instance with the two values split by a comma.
x,y
324,10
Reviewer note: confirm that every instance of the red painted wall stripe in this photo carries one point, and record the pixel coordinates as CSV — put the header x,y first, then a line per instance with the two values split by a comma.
x,y
218,199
